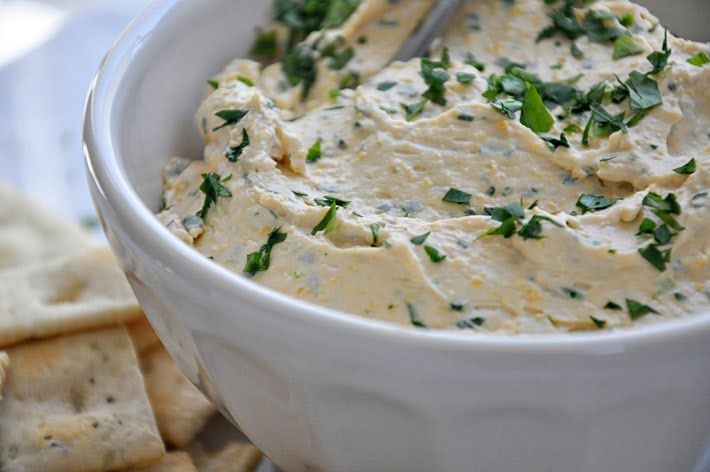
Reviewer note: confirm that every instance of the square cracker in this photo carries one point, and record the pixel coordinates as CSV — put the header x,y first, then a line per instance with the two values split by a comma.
x,y
30,234
181,410
77,403
235,456
177,461
63,295
142,334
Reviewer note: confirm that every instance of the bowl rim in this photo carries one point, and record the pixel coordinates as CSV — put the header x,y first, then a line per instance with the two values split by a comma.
x,y
112,184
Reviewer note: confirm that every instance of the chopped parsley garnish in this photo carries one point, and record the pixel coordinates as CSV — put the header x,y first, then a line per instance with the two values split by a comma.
x,y
573,293
413,110
434,254
299,67
470,323
655,257
626,46
375,230
213,189
327,201
626,19
465,117
230,117
419,240
699,60
612,306
637,309
384,86
299,194
594,202
327,224
261,260
507,106
266,45
457,196
508,216
687,168
213,83
314,152
554,143
464,78
659,59
245,80
435,77
235,152
414,317
456,306
643,91
471,60
600,324
534,115
533,228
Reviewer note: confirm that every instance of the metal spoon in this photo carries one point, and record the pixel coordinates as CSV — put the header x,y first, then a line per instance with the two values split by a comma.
x,y
431,27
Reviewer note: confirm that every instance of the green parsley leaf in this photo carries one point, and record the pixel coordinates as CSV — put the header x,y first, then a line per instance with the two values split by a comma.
x,y
507,106
212,188
643,91
513,210
687,168
610,122
699,60
626,46
327,224
647,226
266,45
600,324
470,323
414,317
533,228
594,25
235,152
554,143
384,86
659,59
534,115
261,260
419,240
662,234
471,60
612,306
435,77
338,11
654,256
245,80
327,201
669,204
457,196
434,254
299,67
213,83
230,117
375,230
314,152
637,309
626,19
413,110
594,202
573,293
464,78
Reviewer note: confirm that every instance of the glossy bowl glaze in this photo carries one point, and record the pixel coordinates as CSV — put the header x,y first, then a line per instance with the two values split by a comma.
x,y
321,390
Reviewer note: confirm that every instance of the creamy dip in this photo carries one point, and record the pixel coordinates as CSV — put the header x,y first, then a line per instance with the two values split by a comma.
x,y
546,169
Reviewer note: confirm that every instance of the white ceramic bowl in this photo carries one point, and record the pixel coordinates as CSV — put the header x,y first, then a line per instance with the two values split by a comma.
x,y
321,390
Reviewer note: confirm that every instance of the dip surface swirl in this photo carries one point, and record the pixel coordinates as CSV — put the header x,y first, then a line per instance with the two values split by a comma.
x,y
546,170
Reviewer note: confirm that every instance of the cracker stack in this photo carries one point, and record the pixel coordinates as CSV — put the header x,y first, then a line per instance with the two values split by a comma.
x,y
85,383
